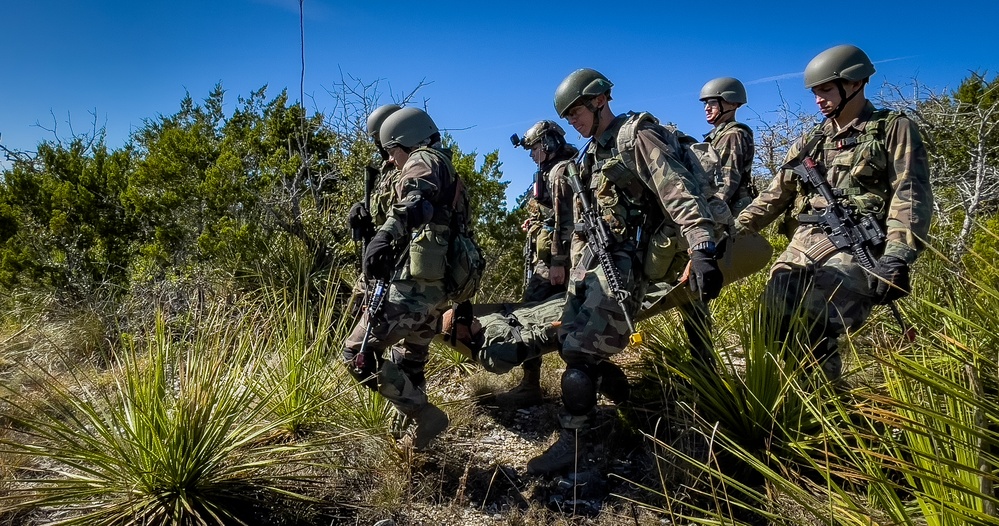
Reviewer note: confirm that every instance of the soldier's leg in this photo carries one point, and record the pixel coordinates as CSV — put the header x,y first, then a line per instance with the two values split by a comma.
x,y
593,330
697,324
782,302
840,301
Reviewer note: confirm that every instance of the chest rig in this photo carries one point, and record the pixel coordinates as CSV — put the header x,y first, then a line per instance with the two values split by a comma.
x,y
617,188
856,165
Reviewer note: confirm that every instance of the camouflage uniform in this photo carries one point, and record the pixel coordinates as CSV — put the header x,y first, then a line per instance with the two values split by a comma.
x,y
734,143
549,231
416,295
878,161
379,208
593,327
515,334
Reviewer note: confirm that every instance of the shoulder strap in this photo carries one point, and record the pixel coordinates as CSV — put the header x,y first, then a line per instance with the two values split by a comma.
x,y
627,135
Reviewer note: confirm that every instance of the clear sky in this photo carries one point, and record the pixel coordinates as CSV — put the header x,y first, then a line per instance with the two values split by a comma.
x,y
491,68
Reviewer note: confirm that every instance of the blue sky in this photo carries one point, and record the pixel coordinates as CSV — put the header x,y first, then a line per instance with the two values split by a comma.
x,y
491,69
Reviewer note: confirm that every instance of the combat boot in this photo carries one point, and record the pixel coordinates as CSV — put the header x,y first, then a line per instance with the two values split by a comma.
x,y
430,422
564,454
528,393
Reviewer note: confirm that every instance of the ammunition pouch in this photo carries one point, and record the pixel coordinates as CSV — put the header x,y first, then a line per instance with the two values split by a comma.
x,y
428,252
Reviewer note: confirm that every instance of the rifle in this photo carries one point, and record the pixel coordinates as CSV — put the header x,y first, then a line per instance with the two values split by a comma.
x,y
528,261
370,176
845,232
599,238
375,301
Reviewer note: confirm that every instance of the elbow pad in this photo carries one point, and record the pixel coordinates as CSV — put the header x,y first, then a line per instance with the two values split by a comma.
x,y
417,210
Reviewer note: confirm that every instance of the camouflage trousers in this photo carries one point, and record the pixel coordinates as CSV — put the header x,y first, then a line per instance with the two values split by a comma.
x,y
514,336
407,322
814,297
593,325
540,287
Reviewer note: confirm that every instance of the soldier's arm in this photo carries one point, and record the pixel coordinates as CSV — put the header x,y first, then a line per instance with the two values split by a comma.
x,y
732,147
772,202
416,189
678,191
562,199
911,205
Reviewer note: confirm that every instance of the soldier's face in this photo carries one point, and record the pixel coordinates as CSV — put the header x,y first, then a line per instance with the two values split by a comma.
x,y
398,156
538,153
581,119
827,98
712,110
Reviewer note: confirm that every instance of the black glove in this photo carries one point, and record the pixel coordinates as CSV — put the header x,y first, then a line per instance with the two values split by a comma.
x,y
705,277
361,226
889,280
379,257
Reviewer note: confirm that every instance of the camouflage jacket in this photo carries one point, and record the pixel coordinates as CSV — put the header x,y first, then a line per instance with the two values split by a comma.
x,y
879,163
734,143
551,220
383,195
663,190
428,173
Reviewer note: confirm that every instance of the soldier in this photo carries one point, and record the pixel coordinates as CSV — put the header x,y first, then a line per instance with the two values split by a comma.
x,y
366,215
643,191
549,229
876,163
407,254
732,140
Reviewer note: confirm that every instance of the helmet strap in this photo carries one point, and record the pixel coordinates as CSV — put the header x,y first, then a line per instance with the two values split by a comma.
x,y
596,117
844,99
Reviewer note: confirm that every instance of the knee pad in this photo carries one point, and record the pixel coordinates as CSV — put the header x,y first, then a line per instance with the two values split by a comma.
x,y
579,391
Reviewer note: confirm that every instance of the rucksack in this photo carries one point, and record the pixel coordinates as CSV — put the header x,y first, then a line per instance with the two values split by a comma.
x,y
699,158
465,263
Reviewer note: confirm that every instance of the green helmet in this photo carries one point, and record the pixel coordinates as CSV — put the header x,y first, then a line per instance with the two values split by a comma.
x,y
540,130
580,85
377,117
843,62
407,127
727,89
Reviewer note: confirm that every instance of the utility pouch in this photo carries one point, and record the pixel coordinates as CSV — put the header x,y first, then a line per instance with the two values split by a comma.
x,y
661,253
428,253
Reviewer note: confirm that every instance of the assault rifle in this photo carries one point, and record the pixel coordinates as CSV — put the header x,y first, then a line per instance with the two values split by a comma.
x,y
528,261
599,238
845,232
370,176
375,301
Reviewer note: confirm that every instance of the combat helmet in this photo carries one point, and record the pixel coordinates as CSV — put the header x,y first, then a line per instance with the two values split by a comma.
x,y
580,85
548,133
727,89
844,62
407,127
377,117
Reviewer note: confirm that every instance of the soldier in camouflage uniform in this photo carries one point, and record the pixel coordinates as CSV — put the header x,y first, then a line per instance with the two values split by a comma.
x,y
642,190
550,224
371,212
408,254
732,140
876,163
549,229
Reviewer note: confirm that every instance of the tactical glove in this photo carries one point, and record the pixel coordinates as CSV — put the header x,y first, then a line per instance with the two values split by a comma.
x,y
361,226
705,277
889,280
379,257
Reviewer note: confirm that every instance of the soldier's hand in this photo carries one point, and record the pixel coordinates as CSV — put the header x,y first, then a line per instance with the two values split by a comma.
x,y
361,225
556,275
889,280
526,225
379,257
705,276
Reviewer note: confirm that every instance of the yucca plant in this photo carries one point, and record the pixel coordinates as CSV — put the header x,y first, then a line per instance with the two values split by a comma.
x,y
179,436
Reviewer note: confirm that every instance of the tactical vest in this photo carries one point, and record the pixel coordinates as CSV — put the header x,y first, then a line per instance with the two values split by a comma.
x,y
383,196
746,186
856,167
